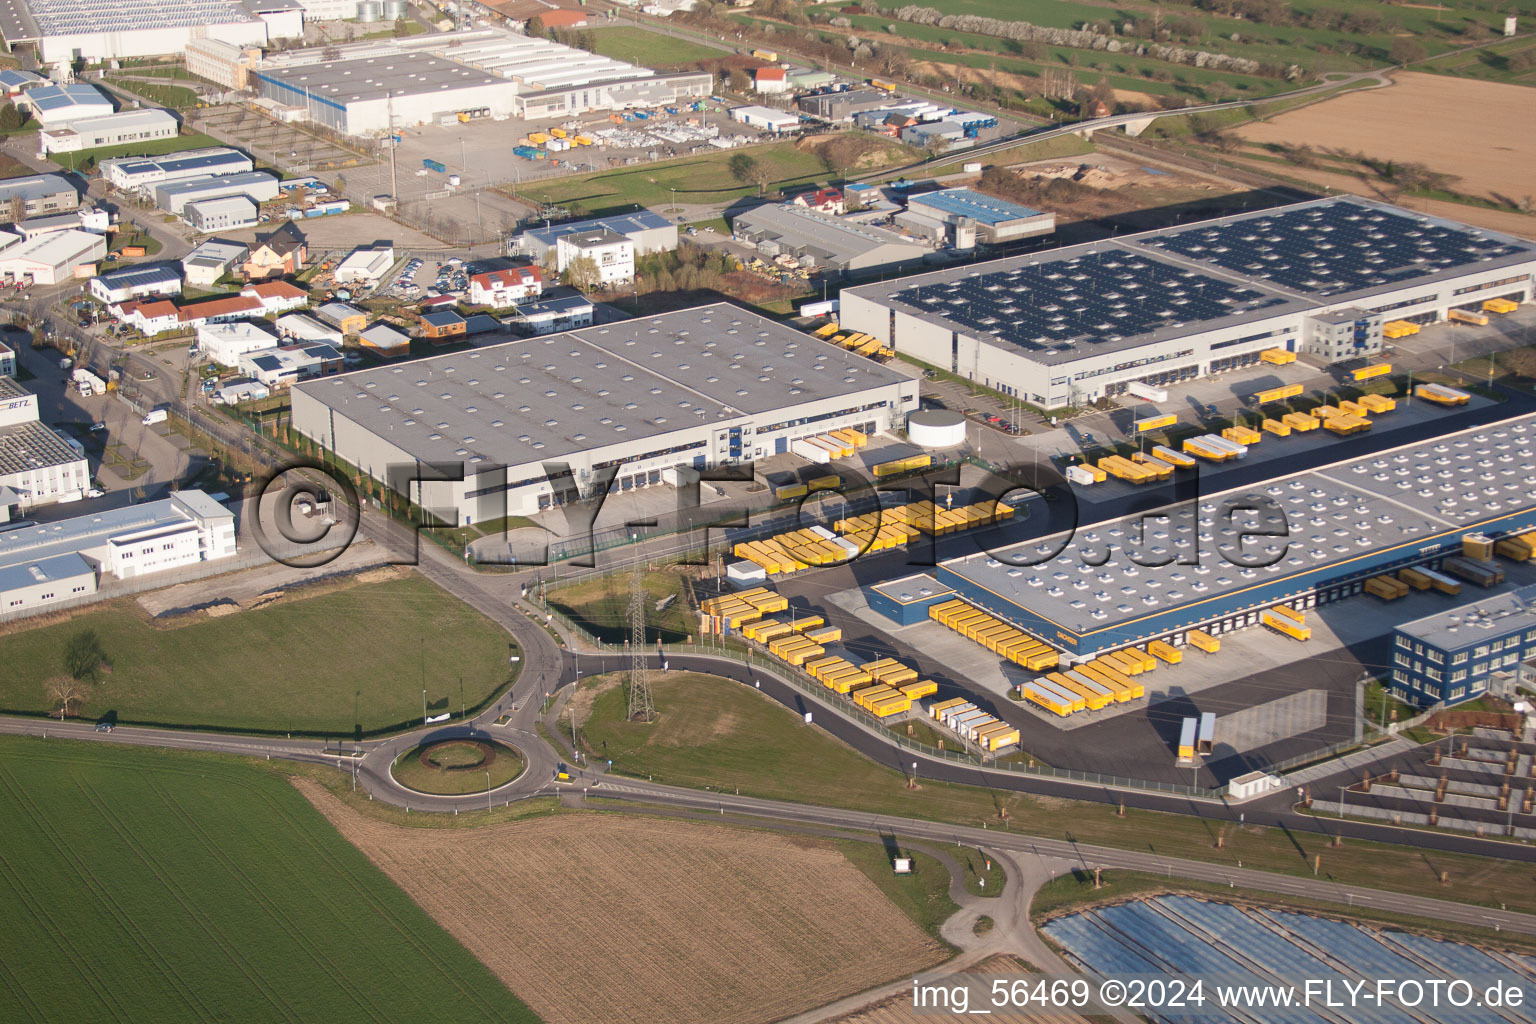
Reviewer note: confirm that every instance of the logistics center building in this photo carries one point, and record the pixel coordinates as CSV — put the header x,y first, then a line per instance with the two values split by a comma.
x,y
534,421
1108,587
374,87
1072,325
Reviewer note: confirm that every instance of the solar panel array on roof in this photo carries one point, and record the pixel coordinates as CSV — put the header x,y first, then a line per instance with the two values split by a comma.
x,y
1090,298
1328,248
82,17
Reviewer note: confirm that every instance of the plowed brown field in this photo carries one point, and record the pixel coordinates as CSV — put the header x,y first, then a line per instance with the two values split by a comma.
x,y
608,919
1479,131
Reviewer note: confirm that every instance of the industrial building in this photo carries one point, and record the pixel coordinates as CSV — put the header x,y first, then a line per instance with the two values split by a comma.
x,y
143,174
651,232
1072,325
224,213
823,242
372,87
173,197
385,341
365,265
55,105
282,367
39,194
7,360
99,30
38,465
842,106
1311,538
765,118
1465,652
301,327
222,63
961,215
119,129
53,258
225,343
211,260
84,218
703,387
135,283
52,563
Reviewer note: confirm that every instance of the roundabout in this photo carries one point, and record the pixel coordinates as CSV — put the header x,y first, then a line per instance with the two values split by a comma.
x,y
457,767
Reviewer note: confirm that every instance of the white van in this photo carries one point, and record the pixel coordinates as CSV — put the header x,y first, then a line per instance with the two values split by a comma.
x,y
155,416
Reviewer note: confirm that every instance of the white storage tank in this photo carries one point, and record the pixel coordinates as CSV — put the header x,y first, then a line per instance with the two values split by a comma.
x,y
369,11
936,428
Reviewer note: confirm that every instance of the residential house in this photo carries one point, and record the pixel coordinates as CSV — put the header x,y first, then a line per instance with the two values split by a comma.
x,y
444,325
502,288
824,200
151,318
220,310
278,253
277,296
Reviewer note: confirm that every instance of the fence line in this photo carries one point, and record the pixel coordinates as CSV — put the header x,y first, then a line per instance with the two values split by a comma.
x,y
801,680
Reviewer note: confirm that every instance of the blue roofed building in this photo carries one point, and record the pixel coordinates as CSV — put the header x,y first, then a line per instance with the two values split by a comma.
x,y
994,220
650,232
142,174
54,105
136,282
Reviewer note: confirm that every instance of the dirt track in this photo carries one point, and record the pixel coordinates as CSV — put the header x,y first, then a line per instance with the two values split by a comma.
x,y
1480,131
607,919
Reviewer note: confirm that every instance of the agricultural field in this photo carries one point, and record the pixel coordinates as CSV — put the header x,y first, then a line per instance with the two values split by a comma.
x,y
1421,119
620,919
324,664
720,734
159,886
651,49
694,180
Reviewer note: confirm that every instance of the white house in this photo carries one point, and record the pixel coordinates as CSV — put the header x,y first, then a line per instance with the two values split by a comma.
x,y
502,288
277,296
211,260
767,80
612,253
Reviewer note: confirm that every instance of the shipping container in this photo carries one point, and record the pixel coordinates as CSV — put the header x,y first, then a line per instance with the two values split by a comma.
x,y
1189,731
1165,652
1046,698
1500,306
434,165
1280,624
1386,588
1206,743
1467,316
1484,574
1204,641
1277,356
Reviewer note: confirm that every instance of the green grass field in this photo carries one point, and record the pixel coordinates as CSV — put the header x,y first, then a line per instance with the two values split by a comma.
x,y
719,734
176,97
410,772
703,179
601,606
157,886
320,664
651,49
923,895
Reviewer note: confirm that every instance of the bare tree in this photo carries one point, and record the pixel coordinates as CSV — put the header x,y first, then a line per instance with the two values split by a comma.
x,y
582,273
63,691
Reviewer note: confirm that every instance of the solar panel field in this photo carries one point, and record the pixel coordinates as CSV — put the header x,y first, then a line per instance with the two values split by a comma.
x,y
145,885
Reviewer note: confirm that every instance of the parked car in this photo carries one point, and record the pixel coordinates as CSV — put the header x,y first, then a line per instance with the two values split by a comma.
x,y
98,427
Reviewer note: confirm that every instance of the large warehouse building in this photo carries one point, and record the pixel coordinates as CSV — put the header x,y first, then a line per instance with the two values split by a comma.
x,y
117,129
95,30
651,232
369,88
136,173
1072,325
1328,531
37,466
698,388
